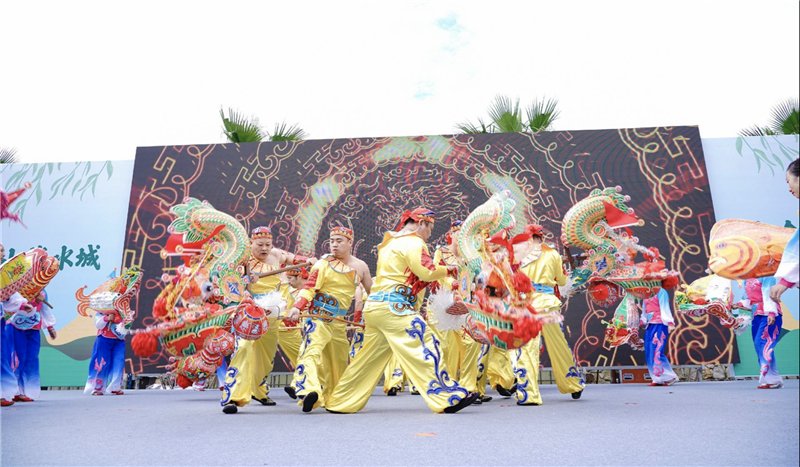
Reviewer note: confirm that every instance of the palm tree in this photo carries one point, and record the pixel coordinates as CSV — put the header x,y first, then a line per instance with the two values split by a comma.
x,y
785,121
240,129
505,116
284,132
8,155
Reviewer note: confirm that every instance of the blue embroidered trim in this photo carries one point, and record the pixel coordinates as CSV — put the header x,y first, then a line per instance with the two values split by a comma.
x,y
358,343
324,305
481,356
574,373
442,383
541,288
522,380
401,301
230,375
309,326
299,384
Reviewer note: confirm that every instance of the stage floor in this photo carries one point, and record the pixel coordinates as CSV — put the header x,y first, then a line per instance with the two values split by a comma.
x,y
708,423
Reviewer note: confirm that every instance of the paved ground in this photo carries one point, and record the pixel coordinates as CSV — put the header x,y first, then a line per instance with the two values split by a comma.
x,y
727,423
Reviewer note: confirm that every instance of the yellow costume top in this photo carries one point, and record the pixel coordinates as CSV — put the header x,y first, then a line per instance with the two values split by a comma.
x,y
404,269
263,284
444,254
286,293
545,273
330,287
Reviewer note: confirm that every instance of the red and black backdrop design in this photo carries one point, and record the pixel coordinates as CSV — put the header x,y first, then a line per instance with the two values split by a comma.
x,y
301,189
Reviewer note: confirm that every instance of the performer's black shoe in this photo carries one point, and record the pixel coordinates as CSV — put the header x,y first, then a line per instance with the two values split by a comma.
x,y
290,390
230,408
577,395
526,404
391,392
485,399
309,401
503,391
265,401
414,391
465,402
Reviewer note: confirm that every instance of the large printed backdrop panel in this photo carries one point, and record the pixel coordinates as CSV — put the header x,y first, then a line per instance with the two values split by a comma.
x,y
301,189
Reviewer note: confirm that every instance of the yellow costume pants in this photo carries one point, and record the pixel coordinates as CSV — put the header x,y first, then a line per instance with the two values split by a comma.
x,y
289,341
526,366
497,370
323,358
356,343
410,339
565,371
248,372
461,358
453,349
393,376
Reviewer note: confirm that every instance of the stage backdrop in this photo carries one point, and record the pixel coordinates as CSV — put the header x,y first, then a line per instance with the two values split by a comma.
x,y
76,211
300,189
747,177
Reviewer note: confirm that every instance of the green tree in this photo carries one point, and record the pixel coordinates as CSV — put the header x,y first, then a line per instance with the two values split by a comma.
x,y
505,116
785,121
240,129
8,155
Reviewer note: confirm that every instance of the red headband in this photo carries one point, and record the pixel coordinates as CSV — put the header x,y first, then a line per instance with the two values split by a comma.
x,y
417,215
343,231
260,232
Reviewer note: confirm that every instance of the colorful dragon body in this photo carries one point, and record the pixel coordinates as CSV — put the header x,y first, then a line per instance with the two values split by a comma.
x,y
205,306
113,297
484,221
590,225
598,226
711,295
504,317
28,273
624,326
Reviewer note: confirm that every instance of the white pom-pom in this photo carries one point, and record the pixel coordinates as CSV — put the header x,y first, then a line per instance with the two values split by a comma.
x,y
741,324
438,304
121,329
272,303
567,290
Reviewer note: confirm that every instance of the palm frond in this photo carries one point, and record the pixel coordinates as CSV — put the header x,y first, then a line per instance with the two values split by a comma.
x,y
506,115
8,156
756,130
284,132
786,118
469,128
240,129
541,114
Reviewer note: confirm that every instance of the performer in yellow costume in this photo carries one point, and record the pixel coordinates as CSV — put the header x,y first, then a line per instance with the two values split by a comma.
x,y
328,293
290,337
494,367
394,379
357,338
542,264
461,351
394,325
248,373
